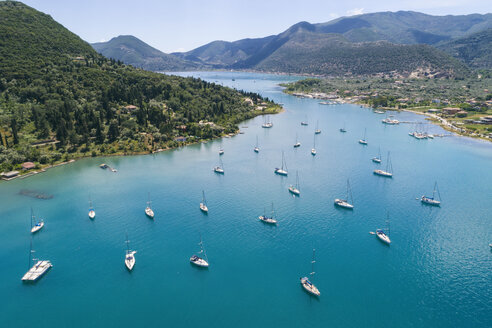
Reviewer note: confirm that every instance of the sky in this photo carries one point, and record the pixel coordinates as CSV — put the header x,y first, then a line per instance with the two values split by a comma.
x,y
182,25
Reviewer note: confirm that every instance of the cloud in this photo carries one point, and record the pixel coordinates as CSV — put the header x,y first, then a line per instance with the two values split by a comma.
x,y
355,11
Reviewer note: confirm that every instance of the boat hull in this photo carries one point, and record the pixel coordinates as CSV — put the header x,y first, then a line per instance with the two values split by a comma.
x,y
199,262
37,271
383,237
203,208
343,204
130,260
149,213
92,214
294,191
267,220
383,173
363,142
37,227
430,201
309,287
281,172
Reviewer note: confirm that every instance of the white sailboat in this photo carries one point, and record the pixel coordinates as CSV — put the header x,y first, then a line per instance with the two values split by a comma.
x,y
384,235
270,220
305,123
148,210
35,225
221,151
267,124
317,131
37,270
388,173
256,149
313,150
306,282
129,256
295,190
378,158
343,129
203,204
200,261
432,200
92,212
282,170
297,144
219,168
363,141
344,202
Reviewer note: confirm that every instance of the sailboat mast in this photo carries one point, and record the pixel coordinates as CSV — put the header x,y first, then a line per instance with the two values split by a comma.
x,y
32,217
297,180
30,256
312,263
127,243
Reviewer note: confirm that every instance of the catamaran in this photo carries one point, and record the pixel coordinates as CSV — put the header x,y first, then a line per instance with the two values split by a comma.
x,y
35,225
384,235
363,141
378,158
92,212
266,219
38,269
344,202
389,168
295,189
148,210
282,170
203,204
297,144
306,283
256,149
432,200
313,151
200,261
220,168
129,256
317,131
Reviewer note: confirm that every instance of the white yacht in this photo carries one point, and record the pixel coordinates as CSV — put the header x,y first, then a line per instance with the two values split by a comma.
x,y
267,124
313,150
203,204
221,151
344,202
378,158
38,269
148,210
129,256
256,149
266,219
200,261
297,144
388,172
282,170
92,212
432,200
363,141
317,131
219,168
295,189
384,235
36,225
307,284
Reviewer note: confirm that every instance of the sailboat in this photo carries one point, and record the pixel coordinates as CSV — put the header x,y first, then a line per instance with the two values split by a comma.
x,y
306,283
283,169
343,129
389,168
377,159
295,189
363,141
317,131
148,210
384,235
92,212
304,122
203,204
129,256
432,200
200,261
344,202
221,151
267,124
313,150
220,168
256,149
297,144
35,225
266,219
37,270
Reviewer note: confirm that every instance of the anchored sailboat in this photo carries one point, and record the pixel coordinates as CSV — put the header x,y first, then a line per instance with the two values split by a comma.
x,y
432,200
378,158
297,144
129,256
35,225
220,168
148,210
295,189
384,235
304,122
200,261
267,124
313,150
92,212
388,173
256,149
282,170
317,131
221,151
344,202
203,204
38,269
306,283
266,219
363,141
343,129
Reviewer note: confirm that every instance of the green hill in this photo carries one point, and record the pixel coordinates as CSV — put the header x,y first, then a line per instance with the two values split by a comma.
x,y
475,50
133,51
59,99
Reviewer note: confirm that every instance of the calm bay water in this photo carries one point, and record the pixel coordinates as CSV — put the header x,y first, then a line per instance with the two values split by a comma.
x,y
437,272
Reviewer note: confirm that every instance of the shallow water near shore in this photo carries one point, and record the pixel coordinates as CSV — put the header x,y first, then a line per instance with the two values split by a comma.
x,y
436,273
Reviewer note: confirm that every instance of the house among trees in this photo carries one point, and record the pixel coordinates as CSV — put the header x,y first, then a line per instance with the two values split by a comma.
x,y
28,165
129,108
450,110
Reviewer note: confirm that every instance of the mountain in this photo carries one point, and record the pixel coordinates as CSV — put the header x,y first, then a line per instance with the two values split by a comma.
x,y
475,50
60,99
135,52
383,42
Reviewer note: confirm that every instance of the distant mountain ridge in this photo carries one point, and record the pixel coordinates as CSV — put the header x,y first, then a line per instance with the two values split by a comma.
x,y
363,33
475,50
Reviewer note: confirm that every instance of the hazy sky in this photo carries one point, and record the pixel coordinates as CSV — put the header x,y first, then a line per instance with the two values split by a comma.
x,y
182,25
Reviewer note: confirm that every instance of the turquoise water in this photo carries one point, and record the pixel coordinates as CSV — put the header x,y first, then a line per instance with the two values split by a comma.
x,y
436,273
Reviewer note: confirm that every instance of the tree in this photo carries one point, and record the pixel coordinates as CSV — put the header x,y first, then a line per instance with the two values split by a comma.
x,y
13,124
